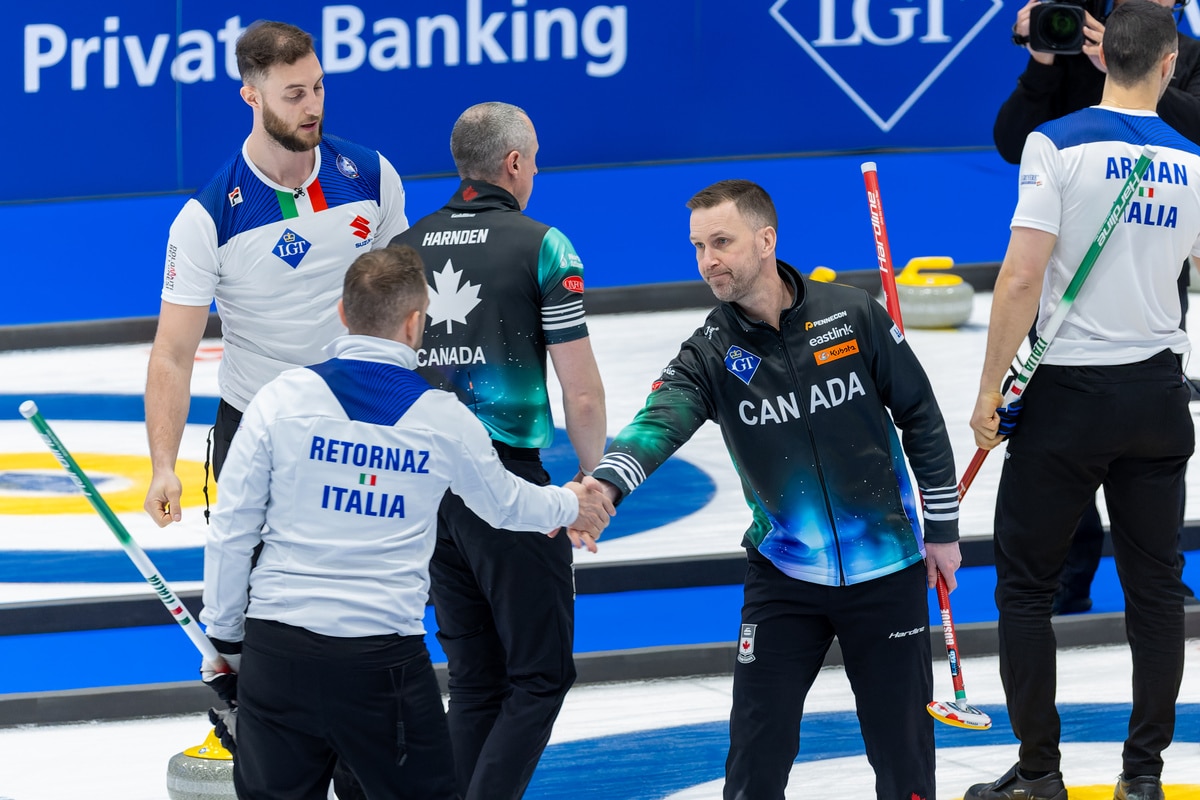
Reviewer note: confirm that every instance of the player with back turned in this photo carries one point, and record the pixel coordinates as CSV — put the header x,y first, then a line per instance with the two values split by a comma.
x,y
1107,407
507,292
338,473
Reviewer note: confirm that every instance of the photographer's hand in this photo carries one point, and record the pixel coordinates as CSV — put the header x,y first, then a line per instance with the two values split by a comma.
x,y
1021,28
1093,33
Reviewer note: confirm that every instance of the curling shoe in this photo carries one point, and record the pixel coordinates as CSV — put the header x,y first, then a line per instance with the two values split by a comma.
x,y
1015,786
1142,787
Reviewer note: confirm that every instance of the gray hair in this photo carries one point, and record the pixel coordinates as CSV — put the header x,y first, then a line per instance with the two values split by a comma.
x,y
484,135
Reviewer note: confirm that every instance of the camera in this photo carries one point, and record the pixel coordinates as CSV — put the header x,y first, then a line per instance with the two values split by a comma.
x,y
1056,26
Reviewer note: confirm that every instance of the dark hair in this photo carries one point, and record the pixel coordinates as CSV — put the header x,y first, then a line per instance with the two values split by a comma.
x,y
484,135
752,201
382,288
265,44
1137,34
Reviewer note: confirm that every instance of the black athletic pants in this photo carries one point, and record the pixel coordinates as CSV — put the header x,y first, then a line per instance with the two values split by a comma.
x,y
226,425
505,604
1126,428
883,629
305,700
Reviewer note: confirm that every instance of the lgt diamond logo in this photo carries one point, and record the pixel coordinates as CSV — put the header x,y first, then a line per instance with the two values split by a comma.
x,y
291,247
909,43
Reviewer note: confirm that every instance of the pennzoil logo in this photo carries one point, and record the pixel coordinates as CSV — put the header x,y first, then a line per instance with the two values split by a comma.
x,y
831,354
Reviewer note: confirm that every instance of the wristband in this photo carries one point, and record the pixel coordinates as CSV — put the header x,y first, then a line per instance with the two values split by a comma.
x,y
587,473
1017,38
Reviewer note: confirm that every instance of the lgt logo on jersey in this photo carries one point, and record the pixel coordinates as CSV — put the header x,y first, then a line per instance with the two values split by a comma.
x,y
742,363
291,247
858,44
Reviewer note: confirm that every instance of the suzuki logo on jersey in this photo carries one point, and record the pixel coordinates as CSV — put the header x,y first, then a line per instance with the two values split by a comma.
x,y
742,363
361,227
857,43
291,247
447,302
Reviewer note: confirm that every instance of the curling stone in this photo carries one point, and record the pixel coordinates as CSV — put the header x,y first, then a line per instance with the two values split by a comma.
x,y
204,772
822,275
933,300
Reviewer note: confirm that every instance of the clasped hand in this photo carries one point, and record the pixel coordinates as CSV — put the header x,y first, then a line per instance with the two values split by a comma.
x,y
596,508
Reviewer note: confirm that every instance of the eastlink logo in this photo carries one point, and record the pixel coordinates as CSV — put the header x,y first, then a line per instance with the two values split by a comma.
x,y
832,336
81,58
931,33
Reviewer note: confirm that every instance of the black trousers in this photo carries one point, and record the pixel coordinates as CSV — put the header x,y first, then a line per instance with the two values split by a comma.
x,y
305,700
226,425
505,604
1126,428
883,629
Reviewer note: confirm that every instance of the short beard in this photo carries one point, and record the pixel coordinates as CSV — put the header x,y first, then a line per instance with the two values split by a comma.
x,y
288,139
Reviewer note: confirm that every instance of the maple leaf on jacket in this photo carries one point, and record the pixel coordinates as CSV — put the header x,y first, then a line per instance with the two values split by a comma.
x,y
447,302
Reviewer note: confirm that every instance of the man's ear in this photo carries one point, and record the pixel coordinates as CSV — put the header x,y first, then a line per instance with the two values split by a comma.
x,y
249,95
767,240
342,313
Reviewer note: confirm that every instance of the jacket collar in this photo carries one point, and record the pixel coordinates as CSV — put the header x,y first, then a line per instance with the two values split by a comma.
x,y
371,348
794,280
482,196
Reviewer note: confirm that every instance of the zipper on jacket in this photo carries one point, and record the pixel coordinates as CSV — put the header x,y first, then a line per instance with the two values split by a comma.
x,y
837,541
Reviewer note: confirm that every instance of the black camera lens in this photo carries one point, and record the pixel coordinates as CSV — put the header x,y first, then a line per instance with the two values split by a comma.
x,y
1056,28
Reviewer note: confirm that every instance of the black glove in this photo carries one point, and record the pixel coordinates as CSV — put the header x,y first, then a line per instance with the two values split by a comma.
x,y
224,721
222,678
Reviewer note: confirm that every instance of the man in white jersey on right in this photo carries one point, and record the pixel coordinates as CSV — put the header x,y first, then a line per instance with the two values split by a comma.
x,y
1108,405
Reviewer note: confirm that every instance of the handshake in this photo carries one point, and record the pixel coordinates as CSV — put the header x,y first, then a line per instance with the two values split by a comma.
x,y
596,508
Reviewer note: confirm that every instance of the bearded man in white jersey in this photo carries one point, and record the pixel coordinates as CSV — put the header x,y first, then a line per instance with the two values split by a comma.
x,y
1108,406
269,238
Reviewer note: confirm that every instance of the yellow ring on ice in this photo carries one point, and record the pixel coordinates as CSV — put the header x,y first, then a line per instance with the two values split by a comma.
x,y
132,472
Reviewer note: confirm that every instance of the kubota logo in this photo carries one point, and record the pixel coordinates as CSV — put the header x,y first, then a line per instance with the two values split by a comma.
x,y
930,33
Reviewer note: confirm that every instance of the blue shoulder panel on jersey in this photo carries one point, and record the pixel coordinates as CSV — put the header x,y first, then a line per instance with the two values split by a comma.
x,y
349,172
378,394
1099,125
238,201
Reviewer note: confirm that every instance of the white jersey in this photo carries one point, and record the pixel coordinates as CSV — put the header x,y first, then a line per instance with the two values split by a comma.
x,y
1072,170
274,257
339,469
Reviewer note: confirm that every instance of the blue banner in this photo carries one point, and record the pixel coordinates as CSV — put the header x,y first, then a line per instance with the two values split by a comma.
x,y
124,96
